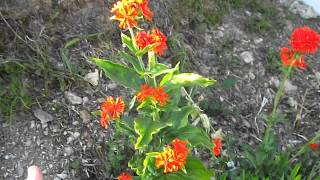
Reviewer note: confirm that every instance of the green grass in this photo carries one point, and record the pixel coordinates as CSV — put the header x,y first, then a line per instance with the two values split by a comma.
x,y
264,15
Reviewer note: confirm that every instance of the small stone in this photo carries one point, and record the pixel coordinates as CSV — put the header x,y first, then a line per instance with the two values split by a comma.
x,y
75,123
73,99
289,87
85,116
85,100
70,139
293,103
76,135
247,57
28,142
112,86
19,170
68,151
46,132
318,76
274,81
92,77
43,116
32,124
252,76
303,9
258,41
62,176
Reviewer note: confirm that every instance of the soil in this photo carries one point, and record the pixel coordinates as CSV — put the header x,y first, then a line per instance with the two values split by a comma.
x,y
68,146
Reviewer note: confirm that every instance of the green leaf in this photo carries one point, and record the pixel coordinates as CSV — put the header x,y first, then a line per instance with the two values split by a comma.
x,y
132,60
179,117
145,50
159,69
190,79
295,171
120,74
195,135
128,42
146,128
72,42
195,171
170,74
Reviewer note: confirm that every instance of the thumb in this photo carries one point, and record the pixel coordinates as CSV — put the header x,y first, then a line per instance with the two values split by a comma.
x,y
34,173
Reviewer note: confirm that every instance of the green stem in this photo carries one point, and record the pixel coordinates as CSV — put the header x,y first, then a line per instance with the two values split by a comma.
x,y
280,91
136,47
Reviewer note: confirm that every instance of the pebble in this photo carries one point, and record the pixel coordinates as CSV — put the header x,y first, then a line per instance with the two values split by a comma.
x,y
46,132
289,87
92,77
76,135
68,151
43,116
32,124
111,86
73,98
85,100
247,57
62,176
28,142
85,116
19,170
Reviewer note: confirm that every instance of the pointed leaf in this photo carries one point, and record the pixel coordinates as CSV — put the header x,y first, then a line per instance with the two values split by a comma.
x,y
195,170
132,60
120,74
190,79
179,117
146,128
195,135
126,40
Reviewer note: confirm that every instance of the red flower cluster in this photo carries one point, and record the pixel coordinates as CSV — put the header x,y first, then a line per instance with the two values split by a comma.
x,y
304,40
173,159
157,94
111,109
156,37
314,146
128,11
125,176
217,142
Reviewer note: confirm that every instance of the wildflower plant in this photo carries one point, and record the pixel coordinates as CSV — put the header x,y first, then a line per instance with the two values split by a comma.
x,y
160,127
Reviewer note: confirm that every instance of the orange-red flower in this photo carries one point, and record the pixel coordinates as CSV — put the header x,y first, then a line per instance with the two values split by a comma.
x,y
111,109
161,96
127,12
146,12
143,39
173,160
314,146
160,39
288,56
180,146
305,40
104,119
217,142
157,94
125,176
145,92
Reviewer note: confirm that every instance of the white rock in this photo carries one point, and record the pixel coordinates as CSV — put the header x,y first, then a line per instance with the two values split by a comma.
x,y
289,87
73,99
43,116
62,176
318,76
85,116
85,100
93,77
301,8
247,57
112,86
68,151
76,135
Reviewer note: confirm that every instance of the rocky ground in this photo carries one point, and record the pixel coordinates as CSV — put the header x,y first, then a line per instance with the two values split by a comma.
x,y
60,135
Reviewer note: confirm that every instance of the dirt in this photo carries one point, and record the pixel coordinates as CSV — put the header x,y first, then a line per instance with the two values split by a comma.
x,y
68,148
